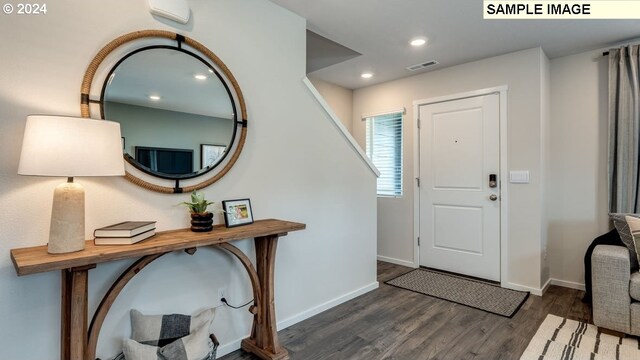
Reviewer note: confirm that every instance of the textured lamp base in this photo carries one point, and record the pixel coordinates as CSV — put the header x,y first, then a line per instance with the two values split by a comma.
x,y
67,219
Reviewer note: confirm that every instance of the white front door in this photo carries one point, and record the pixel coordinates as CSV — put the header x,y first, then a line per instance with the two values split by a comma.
x,y
459,210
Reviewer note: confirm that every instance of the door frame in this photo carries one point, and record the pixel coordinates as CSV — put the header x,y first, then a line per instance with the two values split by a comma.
x,y
504,173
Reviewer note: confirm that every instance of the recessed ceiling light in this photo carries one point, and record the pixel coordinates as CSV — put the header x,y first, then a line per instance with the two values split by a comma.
x,y
200,76
154,97
366,75
418,42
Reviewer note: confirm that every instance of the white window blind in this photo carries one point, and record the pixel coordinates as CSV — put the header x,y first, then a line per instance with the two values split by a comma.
x,y
384,148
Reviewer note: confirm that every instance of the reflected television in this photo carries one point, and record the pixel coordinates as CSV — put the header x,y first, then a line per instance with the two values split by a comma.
x,y
166,160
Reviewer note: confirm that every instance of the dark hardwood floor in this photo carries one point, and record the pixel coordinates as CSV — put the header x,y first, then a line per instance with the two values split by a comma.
x,y
395,324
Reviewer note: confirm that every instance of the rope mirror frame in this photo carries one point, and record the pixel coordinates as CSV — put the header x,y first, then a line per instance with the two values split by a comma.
x,y
98,60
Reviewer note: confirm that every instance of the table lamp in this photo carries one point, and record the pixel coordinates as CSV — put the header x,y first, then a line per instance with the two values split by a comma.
x,y
69,147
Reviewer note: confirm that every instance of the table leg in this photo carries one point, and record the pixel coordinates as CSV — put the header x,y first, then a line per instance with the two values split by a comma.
x,y
65,312
73,337
263,341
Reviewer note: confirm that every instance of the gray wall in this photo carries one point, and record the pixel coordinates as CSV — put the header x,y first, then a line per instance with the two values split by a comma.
x,y
144,126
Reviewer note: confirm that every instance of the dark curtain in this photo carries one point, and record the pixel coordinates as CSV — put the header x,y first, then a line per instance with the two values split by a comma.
x,y
624,130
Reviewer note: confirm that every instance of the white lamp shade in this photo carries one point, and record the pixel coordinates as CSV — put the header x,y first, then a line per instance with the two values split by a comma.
x,y
71,146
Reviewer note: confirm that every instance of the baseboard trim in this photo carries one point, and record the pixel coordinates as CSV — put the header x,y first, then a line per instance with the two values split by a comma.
x,y
513,286
234,345
396,261
540,292
229,347
546,286
568,284
283,324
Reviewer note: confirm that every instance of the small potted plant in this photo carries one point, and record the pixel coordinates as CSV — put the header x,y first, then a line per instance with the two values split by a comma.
x,y
201,219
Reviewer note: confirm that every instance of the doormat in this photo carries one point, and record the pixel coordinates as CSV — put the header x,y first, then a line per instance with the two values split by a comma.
x,y
560,338
461,290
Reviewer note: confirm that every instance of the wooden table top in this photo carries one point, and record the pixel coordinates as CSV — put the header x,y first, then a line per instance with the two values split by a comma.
x,y
32,260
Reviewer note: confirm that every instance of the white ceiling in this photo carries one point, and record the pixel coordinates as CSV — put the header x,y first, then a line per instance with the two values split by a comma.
x,y
169,74
457,33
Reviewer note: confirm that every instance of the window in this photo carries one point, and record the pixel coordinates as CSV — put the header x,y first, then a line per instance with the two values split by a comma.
x,y
384,148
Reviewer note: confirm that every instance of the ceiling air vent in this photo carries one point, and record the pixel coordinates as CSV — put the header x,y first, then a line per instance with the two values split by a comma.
x,y
422,65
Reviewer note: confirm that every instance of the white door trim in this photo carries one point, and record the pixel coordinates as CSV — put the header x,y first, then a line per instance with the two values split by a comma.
x,y
504,225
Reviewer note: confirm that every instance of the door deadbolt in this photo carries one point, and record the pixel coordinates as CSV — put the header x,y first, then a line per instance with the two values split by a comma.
x,y
493,197
493,181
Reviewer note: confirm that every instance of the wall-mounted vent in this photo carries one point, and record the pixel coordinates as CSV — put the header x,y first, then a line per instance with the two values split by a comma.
x,y
422,65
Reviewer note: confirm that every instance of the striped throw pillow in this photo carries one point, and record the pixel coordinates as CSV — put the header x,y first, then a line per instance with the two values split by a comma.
x,y
194,346
160,330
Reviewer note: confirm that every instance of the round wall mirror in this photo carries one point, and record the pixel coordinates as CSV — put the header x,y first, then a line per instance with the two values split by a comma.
x,y
181,112
179,94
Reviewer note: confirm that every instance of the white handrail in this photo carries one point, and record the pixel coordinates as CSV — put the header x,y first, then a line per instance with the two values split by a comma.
x,y
336,121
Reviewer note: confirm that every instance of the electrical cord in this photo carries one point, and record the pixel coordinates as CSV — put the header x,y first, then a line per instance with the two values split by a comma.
x,y
224,301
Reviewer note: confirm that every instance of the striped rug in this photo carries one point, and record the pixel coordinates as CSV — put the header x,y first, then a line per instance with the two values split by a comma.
x,y
564,339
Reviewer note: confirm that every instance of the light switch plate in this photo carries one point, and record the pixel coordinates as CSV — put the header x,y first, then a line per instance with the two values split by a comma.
x,y
519,176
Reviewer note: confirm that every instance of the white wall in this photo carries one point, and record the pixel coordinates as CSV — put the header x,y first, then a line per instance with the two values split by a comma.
x,y
285,172
577,191
522,73
339,98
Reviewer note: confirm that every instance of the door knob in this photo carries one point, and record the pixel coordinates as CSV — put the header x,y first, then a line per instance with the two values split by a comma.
x,y
493,197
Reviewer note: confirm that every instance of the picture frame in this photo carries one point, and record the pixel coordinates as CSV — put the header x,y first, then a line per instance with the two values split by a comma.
x,y
210,154
237,212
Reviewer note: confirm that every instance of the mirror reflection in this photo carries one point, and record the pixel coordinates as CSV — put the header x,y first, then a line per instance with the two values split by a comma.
x,y
177,116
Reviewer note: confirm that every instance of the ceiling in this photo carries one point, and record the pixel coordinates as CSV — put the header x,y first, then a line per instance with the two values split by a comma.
x,y
381,29
171,77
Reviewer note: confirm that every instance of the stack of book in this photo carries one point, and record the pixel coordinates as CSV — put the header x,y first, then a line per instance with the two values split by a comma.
x,y
124,233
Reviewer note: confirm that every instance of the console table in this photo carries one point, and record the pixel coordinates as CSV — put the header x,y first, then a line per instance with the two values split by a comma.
x,y
78,341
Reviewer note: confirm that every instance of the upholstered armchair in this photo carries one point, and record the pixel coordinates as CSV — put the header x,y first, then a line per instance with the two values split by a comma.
x,y
616,290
